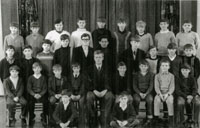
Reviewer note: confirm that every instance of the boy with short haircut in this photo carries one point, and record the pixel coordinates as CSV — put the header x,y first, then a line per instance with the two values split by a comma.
x,y
14,89
46,58
122,36
191,60
54,35
7,62
37,89
146,39
84,54
174,59
101,30
35,39
188,95
164,86
14,39
76,35
63,55
187,36
123,114
163,38
65,112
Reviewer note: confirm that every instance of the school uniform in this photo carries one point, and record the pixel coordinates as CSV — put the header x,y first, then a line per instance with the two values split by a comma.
x,y
62,57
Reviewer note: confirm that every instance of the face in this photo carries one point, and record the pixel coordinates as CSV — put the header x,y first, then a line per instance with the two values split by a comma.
x,y
153,52
37,70
57,72
35,29
164,26
187,27
46,47
121,26
171,51
140,29
135,44
98,58
10,53
28,52
188,52
143,68
65,43
164,67
59,27
122,69
13,30
104,42
14,73
123,100
65,99
185,72
81,24
76,70
85,41
101,24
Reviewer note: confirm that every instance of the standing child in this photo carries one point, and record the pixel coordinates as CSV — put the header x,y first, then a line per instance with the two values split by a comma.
x,y
35,39
164,87
146,39
46,58
163,38
14,90
15,40
187,36
143,87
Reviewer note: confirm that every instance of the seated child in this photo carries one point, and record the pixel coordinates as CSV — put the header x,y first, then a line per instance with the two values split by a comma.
x,y
123,115
65,112
14,90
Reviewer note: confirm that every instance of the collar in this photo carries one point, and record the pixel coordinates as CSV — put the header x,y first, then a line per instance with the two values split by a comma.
x,y
59,32
164,31
164,73
76,75
153,58
85,47
81,29
172,58
97,66
122,32
10,60
123,106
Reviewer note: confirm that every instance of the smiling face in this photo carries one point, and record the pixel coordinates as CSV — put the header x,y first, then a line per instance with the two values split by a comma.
x,y
57,72
13,30
143,67
59,27
81,24
187,27
65,43
46,47
65,99
85,41
188,52
10,53
14,73
122,69
27,52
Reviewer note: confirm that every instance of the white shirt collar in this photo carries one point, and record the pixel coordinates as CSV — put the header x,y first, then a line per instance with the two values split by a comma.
x,y
164,31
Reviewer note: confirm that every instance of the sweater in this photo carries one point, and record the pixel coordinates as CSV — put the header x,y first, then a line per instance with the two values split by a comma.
x,y
146,41
153,64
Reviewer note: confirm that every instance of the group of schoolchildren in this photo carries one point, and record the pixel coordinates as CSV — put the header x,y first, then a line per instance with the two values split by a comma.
x,y
76,75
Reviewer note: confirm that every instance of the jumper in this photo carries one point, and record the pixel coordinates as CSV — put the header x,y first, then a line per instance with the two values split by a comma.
x,y
153,64
146,41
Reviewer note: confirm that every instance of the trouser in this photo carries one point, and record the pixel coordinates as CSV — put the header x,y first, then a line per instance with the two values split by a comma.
x,y
114,124
3,111
105,107
192,109
169,102
24,108
149,103
52,100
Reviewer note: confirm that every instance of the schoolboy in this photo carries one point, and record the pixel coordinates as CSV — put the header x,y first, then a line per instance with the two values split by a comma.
x,y
46,58
35,39
84,54
65,112
14,39
54,35
62,55
142,89
14,89
187,95
122,36
163,38
146,39
192,60
37,89
164,84
7,62
76,35
187,36
123,114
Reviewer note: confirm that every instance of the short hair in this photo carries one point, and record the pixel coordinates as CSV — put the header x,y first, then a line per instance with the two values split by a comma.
x,y
135,38
46,41
186,66
36,64
66,92
101,19
164,20
57,21
75,65
14,24
35,24
27,47
56,67
164,61
102,36
64,37
152,46
14,67
97,52
10,47
140,23
172,46
188,46
144,62
121,63
187,21
85,35
121,20
80,18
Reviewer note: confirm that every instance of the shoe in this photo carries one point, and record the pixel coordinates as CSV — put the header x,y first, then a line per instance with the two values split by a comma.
x,y
148,122
23,122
